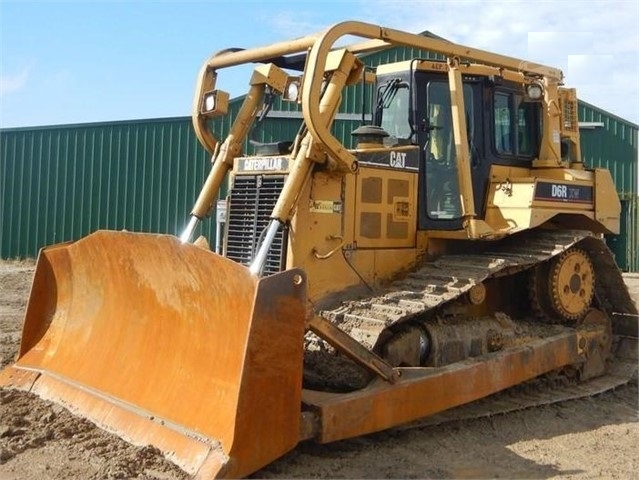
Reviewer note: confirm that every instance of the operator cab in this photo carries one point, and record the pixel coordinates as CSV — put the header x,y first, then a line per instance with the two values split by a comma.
x,y
413,104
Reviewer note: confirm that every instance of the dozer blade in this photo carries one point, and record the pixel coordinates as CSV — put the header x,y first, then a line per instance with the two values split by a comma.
x,y
169,345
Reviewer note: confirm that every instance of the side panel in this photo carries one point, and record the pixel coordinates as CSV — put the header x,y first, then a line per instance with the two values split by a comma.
x,y
317,234
385,208
356,229
520,199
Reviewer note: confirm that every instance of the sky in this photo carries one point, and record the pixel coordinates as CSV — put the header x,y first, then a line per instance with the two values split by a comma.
x,y
94,61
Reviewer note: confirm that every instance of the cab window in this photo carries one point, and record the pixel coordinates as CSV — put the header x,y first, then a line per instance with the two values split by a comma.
x,y
503,124
516,125
394,99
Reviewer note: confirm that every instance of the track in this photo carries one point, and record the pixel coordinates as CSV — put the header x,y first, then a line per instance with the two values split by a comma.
x,y
440,289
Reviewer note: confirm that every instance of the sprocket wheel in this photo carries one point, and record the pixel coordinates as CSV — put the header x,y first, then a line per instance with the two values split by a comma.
x,y
564,286
572,284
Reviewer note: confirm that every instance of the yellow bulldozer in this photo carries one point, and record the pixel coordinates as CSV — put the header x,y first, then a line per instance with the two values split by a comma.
x,y
456,251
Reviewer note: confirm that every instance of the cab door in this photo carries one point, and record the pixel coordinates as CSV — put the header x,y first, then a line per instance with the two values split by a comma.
x,y
440,203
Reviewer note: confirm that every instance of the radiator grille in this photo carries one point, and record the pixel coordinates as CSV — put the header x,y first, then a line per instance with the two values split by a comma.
x,y
251,203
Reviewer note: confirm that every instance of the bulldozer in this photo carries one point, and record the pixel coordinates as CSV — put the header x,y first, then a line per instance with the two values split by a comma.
x,y
455,251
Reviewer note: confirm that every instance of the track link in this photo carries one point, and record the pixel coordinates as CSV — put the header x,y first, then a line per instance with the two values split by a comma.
x,y
438,283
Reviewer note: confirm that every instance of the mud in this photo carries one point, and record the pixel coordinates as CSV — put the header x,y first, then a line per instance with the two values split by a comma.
x,y
595,437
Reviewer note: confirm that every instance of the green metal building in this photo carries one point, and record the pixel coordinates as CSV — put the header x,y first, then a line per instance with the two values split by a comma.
x,y
60,183
610,142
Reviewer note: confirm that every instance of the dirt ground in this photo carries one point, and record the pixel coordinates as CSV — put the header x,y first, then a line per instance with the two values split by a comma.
x,y
596,437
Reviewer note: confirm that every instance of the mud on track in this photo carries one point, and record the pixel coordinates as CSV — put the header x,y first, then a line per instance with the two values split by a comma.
x,y
594,437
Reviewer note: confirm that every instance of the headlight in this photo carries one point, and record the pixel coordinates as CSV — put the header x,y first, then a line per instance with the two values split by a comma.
x,y
292,92
214,103
209,102
534,91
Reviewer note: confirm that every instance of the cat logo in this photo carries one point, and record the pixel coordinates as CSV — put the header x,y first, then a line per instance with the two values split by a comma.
x,y
398,159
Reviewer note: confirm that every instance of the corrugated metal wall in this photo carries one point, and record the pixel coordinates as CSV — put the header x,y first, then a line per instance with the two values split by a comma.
x,y
610,142
624,245
60,183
